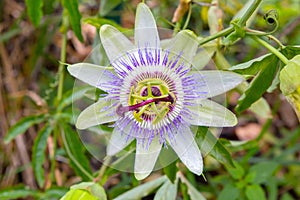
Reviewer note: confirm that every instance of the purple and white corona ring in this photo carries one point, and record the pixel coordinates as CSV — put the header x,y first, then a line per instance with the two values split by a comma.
x,y
154,94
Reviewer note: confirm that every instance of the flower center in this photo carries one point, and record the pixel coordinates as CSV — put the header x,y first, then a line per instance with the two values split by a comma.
x,y
150,100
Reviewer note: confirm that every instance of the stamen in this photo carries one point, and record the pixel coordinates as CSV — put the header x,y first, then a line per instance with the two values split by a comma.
x,y
121,110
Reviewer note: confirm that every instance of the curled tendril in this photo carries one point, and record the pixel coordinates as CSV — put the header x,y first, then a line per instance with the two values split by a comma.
x,y
271,17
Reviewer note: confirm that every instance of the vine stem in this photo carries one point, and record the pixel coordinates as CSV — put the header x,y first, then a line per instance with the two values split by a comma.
x,y
222,33
61,75
230,29
106,162
271,49
61,68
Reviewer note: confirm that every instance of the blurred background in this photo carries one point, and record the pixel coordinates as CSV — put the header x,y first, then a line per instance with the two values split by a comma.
x,y
29,76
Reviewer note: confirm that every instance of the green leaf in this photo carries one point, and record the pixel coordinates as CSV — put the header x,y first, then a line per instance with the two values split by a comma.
x,y
21,126
291,51
9,34
17,192
237,172
254,192
72,95
261,108
167,191
34,11
74,15
191,190
142,190
208,143
289,76
258,85
253,66
53,193
94,188
229,192
107,5
263,171
38,153
272,188
170,171
76,153
99,21
79,194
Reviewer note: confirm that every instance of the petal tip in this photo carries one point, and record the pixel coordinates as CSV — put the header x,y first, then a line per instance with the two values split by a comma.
x,y
141,176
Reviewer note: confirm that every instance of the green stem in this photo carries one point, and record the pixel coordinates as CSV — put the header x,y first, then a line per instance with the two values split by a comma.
x,y
61,68
222,33
188,17
267,34
106,162
249,12
229,30
271,49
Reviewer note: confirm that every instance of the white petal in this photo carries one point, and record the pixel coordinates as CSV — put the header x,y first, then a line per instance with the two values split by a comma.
x,y
114,42
216,82
93,75
203,56
103,111
184,43
145,31
117,142
208,113
145,159
187,150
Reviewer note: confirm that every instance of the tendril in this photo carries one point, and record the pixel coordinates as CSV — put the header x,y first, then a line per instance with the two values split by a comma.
x,y
271,17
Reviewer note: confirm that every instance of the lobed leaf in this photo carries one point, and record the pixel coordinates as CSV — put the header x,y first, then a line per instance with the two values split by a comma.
x,y
21,126
38,153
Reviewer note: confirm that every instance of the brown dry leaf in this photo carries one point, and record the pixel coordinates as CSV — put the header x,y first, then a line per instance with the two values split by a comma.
x,y
181,10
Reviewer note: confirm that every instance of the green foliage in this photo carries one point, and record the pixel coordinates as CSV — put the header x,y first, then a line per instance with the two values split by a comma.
x,y
74,15
17,192
76,153
255,192
38,153
106,6
34,11
85,191
208,143
259,84
21,126
143,190
263,168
